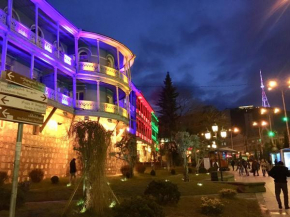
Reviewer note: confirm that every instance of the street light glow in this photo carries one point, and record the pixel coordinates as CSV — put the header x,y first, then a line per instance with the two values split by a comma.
x,y
264,123
236,130
272,84
215,128
223,134
207,135
263,111
276,110
255,123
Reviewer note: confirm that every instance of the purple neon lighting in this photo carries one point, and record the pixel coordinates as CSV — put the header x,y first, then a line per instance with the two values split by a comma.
x,y
67,59
47,46
23,30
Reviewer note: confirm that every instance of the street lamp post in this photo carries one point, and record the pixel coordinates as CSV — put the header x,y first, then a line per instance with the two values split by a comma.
x,y
273,84
260,125
269,112
236,130
208,137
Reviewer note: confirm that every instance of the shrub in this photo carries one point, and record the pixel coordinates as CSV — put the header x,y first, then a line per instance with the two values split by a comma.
x,y
3,177
153,173
163,191
54,180
126,171
138,206
172,172
202,170
5,198
212,206
36,175
24,186
140,168
227,193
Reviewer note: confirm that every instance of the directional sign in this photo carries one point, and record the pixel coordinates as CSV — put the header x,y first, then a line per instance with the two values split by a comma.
x,y
15,115
21,80
23,92
24,104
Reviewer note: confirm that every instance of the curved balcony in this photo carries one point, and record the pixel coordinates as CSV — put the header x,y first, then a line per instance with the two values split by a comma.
x,y
25,32
104,107
93,67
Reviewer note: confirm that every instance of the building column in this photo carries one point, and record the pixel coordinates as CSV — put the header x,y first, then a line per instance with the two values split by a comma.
x,y
74,91
118,59
55,84
9,17
36,24
31,66
77,53
57,39
98,46
127,104
117,92
4,52
98,95
129,112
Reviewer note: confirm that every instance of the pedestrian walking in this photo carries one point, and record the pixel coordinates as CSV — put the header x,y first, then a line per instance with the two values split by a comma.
x,y
264,167
280,174
245,165
255,167
72,170
233,165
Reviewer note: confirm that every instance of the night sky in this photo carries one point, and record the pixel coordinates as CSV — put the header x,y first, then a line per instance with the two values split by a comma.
x,y
212,49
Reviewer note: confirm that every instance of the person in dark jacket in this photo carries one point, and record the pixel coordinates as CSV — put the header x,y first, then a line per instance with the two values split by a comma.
x,y
255,168
72,170
233,165
280,174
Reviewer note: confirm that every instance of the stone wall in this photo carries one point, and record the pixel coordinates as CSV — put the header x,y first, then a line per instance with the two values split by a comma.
x,y
51,150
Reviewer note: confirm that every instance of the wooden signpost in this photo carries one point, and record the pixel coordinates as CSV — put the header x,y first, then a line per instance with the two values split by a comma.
x,y
23,102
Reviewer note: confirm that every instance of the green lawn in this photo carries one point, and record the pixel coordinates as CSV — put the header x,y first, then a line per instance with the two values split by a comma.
x,y
45,199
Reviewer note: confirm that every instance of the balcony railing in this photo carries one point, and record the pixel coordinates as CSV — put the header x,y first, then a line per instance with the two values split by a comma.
x,y
86,105
65,100
104,107
49,93
93,67
41,42
3,17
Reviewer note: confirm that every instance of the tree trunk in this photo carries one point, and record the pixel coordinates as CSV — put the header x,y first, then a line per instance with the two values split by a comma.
x,y
186,177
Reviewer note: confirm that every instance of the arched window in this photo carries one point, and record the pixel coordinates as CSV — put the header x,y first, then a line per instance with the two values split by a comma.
x,y
110,61
14,14
84,55
61,48
40,32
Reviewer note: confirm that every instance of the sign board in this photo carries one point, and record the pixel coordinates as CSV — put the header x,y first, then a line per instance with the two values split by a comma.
x,y
16,115
22,92
21,80
15,102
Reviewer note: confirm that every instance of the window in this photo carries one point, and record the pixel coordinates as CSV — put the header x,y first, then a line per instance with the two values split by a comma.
x,y
109,96
80,95
14,14
84,57
40,32
110,61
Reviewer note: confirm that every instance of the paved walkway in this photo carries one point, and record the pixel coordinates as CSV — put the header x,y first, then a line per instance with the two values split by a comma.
x,y
267,200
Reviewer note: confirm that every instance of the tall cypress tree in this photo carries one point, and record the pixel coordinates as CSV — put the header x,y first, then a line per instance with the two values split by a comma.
x,y
168,109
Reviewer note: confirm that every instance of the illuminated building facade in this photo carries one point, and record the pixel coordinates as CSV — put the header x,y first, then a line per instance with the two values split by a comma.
x,y
146,128
87,76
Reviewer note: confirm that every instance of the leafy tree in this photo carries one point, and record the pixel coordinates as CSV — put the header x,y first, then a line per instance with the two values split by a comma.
x,y
184,141
92,142
168,109
127,150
